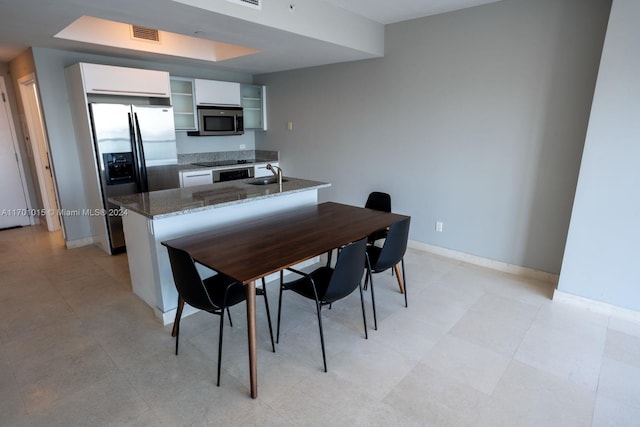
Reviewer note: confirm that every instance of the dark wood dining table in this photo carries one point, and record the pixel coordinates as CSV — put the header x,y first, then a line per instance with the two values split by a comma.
x,y
250,250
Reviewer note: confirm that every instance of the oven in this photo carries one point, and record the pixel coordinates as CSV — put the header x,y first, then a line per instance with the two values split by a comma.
x,y
222,175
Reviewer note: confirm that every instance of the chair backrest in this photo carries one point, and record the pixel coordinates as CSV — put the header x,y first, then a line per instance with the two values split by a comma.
x,y
188,281
395,245
379,201
348,271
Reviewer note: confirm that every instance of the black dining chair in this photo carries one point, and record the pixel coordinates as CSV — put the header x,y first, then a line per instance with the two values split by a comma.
x,y
381,202
213,295
326,285
388,256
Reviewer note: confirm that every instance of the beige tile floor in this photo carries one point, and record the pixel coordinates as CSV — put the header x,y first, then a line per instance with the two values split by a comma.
x,y
474,348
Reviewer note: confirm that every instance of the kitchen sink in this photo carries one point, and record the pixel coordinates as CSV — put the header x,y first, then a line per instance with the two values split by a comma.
x,y
265,180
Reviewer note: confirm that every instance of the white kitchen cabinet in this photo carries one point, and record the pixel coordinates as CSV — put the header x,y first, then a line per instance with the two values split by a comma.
x,y
254,106
196,177
213,92
107,79
183,102
261,170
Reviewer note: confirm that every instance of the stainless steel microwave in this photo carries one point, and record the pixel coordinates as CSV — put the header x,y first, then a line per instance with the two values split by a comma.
x,y
217,120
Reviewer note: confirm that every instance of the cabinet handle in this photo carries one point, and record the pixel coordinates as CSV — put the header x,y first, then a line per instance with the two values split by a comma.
x,y
218,104
200,174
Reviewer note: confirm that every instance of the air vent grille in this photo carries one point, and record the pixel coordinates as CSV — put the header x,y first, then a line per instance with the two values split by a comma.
x,y
249,3
143,33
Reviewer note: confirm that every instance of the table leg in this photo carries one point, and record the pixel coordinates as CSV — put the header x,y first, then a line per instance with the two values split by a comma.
x,y
250,289
396,268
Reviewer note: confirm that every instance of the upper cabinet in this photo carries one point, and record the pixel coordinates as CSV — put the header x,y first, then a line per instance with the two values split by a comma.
x,y
212,92
254,106
188,93
107,79
183,102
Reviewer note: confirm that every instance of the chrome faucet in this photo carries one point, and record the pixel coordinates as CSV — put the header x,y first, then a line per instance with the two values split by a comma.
x,y
277,172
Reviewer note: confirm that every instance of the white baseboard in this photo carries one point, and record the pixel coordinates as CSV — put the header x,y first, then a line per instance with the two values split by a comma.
x,y
80,242
596,306
558,296
485,262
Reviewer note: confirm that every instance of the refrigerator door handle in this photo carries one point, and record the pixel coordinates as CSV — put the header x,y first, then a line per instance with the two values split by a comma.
x,y
142,166
134,150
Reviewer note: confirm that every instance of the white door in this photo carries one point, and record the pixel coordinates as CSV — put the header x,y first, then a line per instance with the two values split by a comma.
x,y
14,207
38,140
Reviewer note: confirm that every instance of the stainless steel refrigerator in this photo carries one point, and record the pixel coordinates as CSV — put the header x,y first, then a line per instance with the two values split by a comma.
x,y
136,152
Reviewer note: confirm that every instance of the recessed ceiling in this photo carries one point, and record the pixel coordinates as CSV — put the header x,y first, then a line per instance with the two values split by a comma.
x,y
88,29
297,36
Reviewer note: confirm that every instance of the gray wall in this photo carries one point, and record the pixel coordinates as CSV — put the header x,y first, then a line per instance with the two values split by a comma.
x,y
50,65
603,246
476,118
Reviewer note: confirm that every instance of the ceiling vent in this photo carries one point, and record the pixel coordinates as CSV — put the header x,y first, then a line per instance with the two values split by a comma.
x,y
146,34
255,4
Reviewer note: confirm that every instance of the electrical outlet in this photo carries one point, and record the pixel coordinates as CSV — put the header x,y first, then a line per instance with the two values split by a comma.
x,y
289,125
439,226
243,146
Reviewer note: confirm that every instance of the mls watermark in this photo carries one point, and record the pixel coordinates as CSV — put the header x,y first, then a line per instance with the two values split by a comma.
x,y
64,212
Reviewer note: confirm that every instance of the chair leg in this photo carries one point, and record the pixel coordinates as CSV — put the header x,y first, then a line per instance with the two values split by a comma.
x,y
279,309
373,304
329,255
368,268
369,278
266,304
229,316
324,356
399,278
176,323
364,316
179,308
220,346
404,282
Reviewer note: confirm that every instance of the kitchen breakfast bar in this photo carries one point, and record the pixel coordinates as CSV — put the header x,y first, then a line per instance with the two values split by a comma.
x,y
151,218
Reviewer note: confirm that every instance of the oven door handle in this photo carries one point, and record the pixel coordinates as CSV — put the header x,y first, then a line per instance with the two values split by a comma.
x,y
219,175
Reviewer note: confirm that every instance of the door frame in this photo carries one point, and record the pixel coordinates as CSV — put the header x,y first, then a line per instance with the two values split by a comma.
x,y
16,147
39,143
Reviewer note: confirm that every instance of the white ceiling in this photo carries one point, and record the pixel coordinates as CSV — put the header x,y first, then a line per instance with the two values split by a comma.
x,y
390,11
25,23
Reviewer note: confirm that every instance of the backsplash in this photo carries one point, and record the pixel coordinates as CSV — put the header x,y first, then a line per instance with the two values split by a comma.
x,y
262,155
198,144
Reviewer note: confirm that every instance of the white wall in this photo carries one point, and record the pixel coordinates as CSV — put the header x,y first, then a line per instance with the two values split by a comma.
x,y
476,118
603,247
19,67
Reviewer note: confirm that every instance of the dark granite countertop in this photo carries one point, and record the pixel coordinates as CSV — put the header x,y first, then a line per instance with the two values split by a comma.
x,y
179,201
